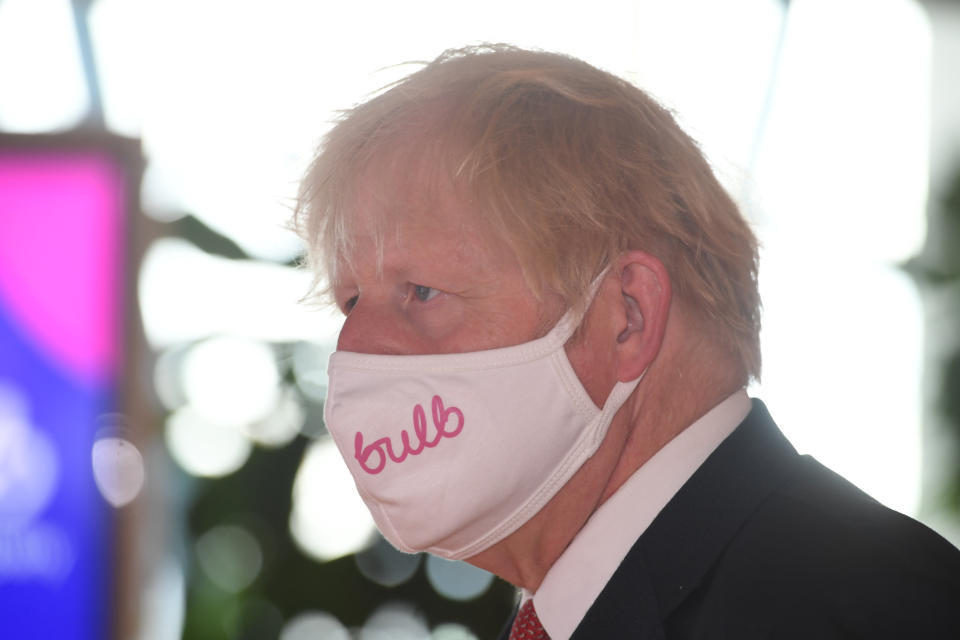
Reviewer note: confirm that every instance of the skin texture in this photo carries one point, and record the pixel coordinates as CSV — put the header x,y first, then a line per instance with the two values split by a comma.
x,y
439,284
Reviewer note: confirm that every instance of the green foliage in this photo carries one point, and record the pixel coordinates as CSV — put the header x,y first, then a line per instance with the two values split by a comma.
x,y
945,220
258,497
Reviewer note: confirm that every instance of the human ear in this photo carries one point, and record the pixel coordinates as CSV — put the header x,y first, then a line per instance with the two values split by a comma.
x,y
634,319
642,315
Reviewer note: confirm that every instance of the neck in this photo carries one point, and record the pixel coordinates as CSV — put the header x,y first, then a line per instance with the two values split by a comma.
x,y
641,428
657,423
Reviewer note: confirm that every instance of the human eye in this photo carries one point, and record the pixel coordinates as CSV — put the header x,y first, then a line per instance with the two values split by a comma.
x,y
423,293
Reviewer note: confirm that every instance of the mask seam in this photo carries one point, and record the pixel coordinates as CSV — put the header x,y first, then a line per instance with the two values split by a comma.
x,y
523,353
460,362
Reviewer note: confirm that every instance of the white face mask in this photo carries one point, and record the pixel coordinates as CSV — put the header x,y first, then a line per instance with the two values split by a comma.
x,y
454,452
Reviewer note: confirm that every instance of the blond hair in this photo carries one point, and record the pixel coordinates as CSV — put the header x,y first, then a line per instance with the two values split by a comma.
x,y
570,166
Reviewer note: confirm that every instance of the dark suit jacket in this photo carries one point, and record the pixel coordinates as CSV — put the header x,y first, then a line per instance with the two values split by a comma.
x,y
764,543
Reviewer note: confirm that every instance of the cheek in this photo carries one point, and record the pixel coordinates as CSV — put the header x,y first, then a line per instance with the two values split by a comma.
x,y
513,321
478,334
391,329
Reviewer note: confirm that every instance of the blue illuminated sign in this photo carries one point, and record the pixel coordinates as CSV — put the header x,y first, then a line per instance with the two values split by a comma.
x,y
61,230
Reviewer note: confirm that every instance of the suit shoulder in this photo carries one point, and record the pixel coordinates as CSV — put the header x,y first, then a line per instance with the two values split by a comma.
x,y
819,551
836,515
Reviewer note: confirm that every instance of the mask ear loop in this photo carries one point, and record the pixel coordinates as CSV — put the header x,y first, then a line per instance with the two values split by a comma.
x,y
623,389
595,285
591,294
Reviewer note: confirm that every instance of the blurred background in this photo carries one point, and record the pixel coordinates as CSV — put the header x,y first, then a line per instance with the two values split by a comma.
x,y
164,468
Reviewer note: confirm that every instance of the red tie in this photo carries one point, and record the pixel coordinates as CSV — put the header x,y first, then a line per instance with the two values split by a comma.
x,y
526,626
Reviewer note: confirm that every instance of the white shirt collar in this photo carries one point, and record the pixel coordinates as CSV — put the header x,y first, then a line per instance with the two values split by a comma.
x,y
580,573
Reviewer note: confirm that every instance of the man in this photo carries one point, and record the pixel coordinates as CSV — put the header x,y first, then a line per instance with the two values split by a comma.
x,y
551,317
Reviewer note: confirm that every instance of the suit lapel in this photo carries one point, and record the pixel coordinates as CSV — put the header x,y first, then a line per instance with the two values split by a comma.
x,y
628,610
686,538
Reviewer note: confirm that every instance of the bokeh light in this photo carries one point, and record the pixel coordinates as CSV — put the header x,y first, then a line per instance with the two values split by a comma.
x,y
282,423
117,32
386,566
168,378
231,380
457,580
452,631
328,519
252,617
118,469
230,556
187,295
40,68
205,448
395,621
310,367
314,625
164,601
158,195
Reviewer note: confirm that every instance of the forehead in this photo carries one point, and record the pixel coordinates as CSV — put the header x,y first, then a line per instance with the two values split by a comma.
x,y
410,201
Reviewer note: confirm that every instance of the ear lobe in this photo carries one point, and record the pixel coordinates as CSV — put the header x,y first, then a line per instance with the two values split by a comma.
x,y
646,294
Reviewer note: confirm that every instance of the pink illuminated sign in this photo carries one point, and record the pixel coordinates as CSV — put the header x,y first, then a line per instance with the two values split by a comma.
x,y
59,255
